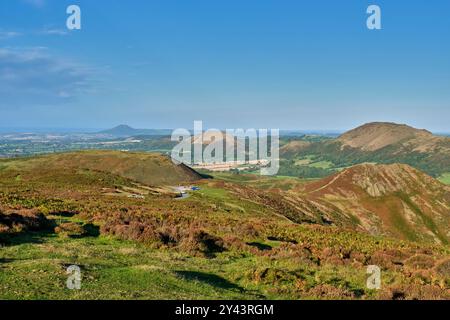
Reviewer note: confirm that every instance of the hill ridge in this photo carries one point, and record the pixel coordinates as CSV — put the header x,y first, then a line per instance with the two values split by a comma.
x,y
377,135
124,130
394,199
381,142
151,169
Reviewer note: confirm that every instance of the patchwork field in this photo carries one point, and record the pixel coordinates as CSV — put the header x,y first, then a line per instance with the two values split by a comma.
x,y
445,178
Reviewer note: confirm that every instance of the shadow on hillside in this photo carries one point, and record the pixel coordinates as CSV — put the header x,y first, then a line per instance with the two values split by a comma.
x,y
92,230
260,246
5,260
65,214
89,231
205,176
210,279
15,239
217,282
24,226
39,236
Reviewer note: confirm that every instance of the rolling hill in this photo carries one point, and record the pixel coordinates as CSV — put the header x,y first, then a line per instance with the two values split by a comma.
x,y
393,200
379,142
238,237
147,168
127,131
377,135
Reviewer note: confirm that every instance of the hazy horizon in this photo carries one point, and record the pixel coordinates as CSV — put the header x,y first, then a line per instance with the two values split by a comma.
x,y
42,130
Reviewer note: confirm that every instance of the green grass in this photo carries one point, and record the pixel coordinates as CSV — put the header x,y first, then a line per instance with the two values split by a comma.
x,y
445,178
215,193
34,267
261,182
322,165
426,220
302,162
311,161
111,269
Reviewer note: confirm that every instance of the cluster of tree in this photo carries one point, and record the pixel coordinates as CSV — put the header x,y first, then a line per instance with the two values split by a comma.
x,y
434,164
289,168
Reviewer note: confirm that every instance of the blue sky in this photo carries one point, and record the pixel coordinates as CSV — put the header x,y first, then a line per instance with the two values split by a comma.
x,y
231,63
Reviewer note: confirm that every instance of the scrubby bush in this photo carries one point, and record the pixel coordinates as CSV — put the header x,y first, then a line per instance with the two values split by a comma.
x,y
274,276
70,229
420,261
327,291
198,241
443,268
414,292
186,235
387,259
23,220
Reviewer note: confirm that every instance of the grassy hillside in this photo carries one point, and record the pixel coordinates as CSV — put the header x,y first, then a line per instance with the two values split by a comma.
x,y
445,178
235,238
147,168
34,267
392,200
396,200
